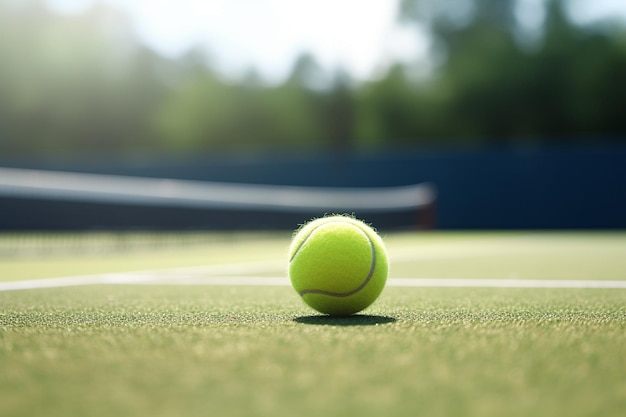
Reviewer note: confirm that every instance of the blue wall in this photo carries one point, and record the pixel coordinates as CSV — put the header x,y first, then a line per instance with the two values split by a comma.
x,y
560,188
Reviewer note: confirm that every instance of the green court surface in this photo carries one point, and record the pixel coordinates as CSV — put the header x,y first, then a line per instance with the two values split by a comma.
x,y
257,350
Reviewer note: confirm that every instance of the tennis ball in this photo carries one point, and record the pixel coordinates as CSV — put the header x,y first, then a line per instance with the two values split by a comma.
x,y
337,264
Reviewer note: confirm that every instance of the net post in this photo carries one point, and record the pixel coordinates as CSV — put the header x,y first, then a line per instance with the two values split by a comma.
x,y
426,215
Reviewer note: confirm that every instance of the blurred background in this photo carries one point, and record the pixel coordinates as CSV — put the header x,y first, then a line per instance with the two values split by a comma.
x,y
514,110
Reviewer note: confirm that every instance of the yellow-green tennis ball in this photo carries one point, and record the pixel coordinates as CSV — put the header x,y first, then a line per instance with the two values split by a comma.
x,y
338,265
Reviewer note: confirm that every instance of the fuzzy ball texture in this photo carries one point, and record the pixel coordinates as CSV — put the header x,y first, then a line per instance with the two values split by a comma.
x,y
338,265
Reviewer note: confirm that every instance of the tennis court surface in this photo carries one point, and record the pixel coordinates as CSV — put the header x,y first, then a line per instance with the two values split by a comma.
x,y
164,324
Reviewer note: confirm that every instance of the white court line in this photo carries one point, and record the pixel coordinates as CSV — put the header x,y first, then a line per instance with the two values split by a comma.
x,y
77,281
502,283
399,282
147,276
191,279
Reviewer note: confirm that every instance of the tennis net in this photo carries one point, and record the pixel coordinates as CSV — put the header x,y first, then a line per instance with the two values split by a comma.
x,y
44,200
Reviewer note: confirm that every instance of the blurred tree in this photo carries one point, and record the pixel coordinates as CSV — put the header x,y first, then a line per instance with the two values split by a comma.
x,y
490,88
388,111
84,83
339,117
73,83
208,113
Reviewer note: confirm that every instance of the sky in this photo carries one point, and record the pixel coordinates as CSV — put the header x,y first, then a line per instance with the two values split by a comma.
x,y
360,37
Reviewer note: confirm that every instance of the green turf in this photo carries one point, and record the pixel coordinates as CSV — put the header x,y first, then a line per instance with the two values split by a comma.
x,y
244,351
554,255
45,255
564,255
259,351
